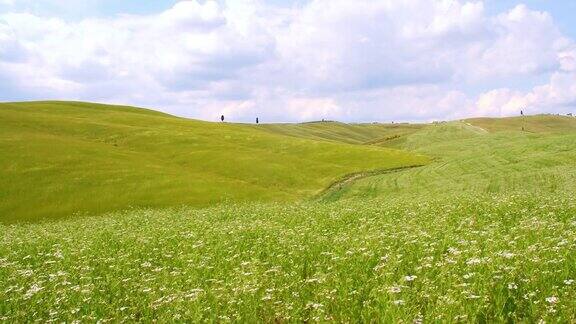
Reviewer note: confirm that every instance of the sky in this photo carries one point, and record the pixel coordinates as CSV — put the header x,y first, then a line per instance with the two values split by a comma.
x,y
295,60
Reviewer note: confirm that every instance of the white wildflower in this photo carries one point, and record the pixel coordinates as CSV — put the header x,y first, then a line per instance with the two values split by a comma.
x,y
32,291
473,261
314,305
394,290
507,255
58,254
410,278
454,251
468,275
552,299
267,297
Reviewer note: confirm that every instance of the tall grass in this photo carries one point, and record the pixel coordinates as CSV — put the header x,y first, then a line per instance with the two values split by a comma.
x,y
486,259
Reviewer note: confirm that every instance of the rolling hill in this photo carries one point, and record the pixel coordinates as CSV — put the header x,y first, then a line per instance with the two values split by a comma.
x,y
482,156
63,158
531,124
344,133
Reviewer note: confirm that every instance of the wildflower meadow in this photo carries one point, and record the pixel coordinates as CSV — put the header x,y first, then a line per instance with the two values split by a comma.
x,y
470,259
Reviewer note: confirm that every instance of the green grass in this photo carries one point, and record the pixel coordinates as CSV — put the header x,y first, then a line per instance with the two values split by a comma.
x,y
501,258
468,159
61,158
345,133
485,232
533,124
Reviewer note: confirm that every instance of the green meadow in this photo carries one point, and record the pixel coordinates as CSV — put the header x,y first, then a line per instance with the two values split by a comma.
x,y
481,156
119,214
60,159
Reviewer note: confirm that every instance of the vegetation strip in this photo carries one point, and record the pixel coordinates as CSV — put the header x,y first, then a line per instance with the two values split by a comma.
x,y
350,178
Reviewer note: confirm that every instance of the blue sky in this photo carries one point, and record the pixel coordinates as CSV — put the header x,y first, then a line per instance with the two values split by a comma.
x,y
563,11
284,60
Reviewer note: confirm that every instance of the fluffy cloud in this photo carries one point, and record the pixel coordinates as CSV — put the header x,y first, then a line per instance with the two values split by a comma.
x,y
558,96
337,59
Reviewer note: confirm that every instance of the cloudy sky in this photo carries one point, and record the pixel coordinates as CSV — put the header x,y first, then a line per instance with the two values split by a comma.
x,y
295,60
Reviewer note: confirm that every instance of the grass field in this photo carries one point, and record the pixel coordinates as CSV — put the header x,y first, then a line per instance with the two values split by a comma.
x,y
344,133
63,158
470,159
484,231
486,258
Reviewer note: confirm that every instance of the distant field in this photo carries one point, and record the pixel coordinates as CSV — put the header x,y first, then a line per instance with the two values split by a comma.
x,y
532,124
470,160
62,158
345,133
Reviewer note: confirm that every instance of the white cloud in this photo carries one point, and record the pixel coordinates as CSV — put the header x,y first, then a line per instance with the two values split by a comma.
x,y
526,42
337,59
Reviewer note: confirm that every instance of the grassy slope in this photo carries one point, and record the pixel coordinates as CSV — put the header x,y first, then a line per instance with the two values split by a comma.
x,y
345,133
59,158
468,158
533,124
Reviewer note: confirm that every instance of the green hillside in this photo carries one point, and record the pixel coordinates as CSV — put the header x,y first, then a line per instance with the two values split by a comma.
x,y
534,124
62,158
482,156
345,133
